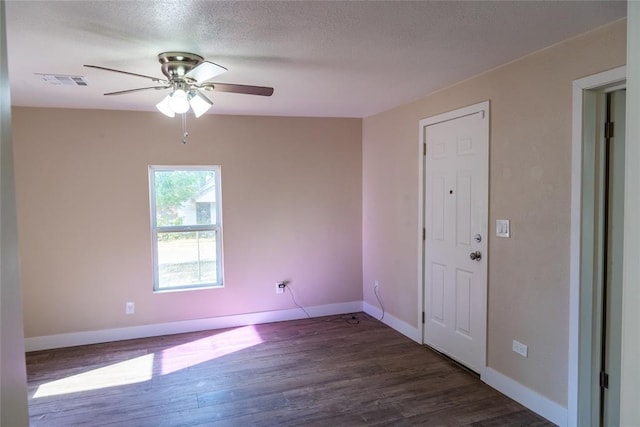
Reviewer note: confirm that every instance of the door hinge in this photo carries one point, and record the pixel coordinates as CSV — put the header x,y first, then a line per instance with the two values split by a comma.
x,y
608,129
604,380
423,317
424,234
424,150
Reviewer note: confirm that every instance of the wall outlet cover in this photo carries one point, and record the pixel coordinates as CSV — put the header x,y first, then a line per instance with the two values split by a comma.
x,y
520,348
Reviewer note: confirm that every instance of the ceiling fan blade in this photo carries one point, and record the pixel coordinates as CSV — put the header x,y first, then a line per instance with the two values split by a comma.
x,y
155,79
205,71
122,92
249,90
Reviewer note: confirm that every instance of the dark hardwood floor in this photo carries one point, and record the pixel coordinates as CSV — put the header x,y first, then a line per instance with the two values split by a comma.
x,y
329,371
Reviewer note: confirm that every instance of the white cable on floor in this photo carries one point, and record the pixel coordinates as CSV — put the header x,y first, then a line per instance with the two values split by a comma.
x,y
293,298
375,291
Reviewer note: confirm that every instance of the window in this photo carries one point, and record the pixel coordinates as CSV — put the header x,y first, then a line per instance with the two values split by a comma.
x,y
186,227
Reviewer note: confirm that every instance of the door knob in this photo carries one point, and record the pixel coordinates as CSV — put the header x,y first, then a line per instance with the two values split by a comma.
x,y
475,256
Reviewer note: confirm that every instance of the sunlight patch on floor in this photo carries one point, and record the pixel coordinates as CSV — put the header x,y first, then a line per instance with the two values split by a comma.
x,y
141,368
131,371
205,349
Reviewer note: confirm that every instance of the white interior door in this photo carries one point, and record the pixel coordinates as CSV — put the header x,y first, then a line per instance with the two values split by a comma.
x,y
455,218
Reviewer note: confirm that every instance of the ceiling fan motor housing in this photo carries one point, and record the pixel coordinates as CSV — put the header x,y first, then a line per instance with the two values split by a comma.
x,y
176,64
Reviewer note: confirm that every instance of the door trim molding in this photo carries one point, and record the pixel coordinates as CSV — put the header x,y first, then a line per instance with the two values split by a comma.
x,y
581,291
481,107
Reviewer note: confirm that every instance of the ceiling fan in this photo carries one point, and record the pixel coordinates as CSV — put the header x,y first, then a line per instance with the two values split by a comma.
x,y
187,75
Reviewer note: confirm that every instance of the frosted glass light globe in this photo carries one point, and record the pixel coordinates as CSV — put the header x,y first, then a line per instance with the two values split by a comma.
x,y
179,102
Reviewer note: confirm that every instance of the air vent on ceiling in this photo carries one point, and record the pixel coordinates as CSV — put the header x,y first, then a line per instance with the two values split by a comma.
x,y
62,79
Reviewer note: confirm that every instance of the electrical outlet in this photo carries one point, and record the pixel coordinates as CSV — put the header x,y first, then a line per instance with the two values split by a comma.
x,y
280,287
520,348
130,308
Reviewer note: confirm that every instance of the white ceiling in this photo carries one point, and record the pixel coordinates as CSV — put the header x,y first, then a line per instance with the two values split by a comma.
x,y
332,59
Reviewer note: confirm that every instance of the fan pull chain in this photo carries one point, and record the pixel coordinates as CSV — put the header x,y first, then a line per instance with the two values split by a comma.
x,y
185,134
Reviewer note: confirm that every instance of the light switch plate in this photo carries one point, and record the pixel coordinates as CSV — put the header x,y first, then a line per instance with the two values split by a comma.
x,y
502,228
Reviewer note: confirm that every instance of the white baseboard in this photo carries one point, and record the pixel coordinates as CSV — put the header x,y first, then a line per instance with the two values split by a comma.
x,y
539,404
144,331
399,325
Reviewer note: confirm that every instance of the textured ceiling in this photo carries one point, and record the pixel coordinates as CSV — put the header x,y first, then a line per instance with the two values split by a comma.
x,y
332,59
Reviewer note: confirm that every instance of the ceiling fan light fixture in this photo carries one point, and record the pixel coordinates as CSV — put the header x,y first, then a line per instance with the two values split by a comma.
x,y
199,103
164,108
178,101
186,75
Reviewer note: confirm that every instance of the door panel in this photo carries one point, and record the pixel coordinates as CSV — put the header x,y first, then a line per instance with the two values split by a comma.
x,y
456,205
437,211
463,209
437,293
612,324
463,302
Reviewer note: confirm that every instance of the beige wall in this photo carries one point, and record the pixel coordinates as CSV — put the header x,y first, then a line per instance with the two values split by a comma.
x,y
291,194
530,184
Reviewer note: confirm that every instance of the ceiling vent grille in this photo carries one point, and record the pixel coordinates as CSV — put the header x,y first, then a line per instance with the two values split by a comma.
x,y
62,79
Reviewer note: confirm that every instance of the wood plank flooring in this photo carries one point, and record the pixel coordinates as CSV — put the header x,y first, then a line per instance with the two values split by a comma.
x,y
349,370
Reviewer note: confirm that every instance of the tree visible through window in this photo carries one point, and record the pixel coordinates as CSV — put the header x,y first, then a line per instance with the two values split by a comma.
x,y
186,227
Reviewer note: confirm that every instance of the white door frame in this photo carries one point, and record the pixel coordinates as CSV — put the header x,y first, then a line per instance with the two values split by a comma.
x,y
450,115
581,288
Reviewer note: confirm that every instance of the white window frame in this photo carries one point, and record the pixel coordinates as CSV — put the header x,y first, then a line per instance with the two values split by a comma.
x,y
217,227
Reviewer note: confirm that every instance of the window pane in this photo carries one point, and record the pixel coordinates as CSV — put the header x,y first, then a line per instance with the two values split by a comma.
x,y
186,258
185,197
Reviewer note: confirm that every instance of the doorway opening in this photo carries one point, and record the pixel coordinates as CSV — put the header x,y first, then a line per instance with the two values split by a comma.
x,y
596,248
